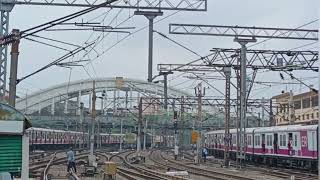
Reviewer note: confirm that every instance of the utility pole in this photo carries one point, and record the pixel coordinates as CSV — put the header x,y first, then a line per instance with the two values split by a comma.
x,y
262,112
243,95
81,124
199,92
93,116
291,108
165,87
150,16
271,114
227,138
121,132
145,134
14,67
139,127
181,132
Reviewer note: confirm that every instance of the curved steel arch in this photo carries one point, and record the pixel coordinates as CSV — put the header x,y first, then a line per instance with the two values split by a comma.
x,y
65,91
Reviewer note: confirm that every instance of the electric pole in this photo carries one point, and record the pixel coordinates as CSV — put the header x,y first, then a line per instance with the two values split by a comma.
x,y
145,134
291,109
227,138
139,127
81,124
150,15
182,128
93,116
243,95
14,67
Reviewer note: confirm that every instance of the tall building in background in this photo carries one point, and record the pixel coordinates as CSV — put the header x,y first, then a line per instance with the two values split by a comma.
x,y
304,108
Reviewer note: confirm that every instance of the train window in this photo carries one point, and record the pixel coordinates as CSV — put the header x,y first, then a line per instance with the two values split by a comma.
x,y
295,140
257,140
234,139
283,140
269,140
249,140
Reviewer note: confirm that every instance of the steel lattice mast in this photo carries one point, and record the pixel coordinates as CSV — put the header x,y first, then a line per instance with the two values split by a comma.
x,y
256,59
243,35
244,31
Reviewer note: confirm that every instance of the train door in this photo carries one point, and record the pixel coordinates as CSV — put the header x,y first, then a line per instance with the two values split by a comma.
x,y
290,144
311,143
275,143
263,144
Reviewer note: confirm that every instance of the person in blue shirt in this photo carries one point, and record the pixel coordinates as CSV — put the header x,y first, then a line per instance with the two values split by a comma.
x,y
204,154
71,160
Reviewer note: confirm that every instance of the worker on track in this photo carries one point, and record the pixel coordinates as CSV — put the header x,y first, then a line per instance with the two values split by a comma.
x,y
71,160
204,154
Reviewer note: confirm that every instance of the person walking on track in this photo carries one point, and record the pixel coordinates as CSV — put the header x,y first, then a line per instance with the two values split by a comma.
x,y
71,160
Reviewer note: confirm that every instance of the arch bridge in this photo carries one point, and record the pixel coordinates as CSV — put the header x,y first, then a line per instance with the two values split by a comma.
x,y
129,89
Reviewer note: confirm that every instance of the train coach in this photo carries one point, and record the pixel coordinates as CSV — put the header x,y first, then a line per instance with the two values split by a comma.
x,y
293,145
41,138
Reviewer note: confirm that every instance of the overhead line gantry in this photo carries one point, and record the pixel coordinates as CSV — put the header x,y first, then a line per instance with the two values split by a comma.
x,y
243,35
6,7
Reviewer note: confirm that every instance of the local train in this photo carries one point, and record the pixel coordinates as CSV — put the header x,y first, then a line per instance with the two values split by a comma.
x,y
41,138
292,145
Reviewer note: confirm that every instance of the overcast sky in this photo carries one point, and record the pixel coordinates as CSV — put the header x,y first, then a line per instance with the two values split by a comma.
x,y
129,58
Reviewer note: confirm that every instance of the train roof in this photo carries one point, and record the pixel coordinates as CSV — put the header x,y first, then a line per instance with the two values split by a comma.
x,y
249,130
106,134
286,128
270,129
51,130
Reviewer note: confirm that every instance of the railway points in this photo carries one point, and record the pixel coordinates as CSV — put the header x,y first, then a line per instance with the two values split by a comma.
x,y
225,90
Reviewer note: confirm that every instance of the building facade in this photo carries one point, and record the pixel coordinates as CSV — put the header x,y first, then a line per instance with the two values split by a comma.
x,y
296,109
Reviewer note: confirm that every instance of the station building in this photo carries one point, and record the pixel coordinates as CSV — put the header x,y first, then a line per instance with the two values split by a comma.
x,y
302,107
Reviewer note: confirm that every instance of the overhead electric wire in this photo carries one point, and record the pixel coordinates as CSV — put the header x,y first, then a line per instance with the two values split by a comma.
x,y
65,56
293,77
54,40
43,43
144,27
58,21
179,44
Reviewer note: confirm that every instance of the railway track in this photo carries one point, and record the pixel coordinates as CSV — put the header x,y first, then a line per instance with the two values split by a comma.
x,y
211,174
41,168
133,172
283,173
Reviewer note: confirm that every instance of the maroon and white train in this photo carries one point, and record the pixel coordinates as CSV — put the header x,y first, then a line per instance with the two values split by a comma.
x,y
41,138
294,144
